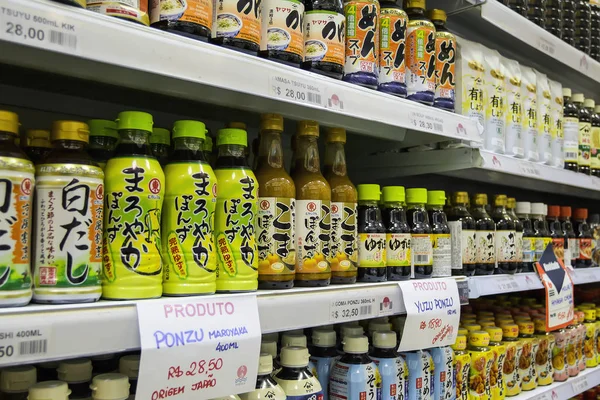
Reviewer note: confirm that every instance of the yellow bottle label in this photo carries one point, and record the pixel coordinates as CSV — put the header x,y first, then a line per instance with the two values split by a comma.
x,y
510,370
595,147
371,250
589,347
497,375
527,370
585,141
462,366
543,360
479,375
275,236
313,230
397,251
442,254
344,243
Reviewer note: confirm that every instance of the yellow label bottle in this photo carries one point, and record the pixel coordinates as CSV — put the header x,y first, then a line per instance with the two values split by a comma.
x,y
514,348
482,360
499,353
590,352
543,358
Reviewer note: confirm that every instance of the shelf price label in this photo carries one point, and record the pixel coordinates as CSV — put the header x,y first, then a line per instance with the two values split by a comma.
x,y
21,341
198,348
507,284
530,169
422,121
580,385
291,89
546,46
432,313
353,305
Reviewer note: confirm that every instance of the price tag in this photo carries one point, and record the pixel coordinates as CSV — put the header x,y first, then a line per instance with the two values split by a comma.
x,y
542,396
30,26
422,121
580,385
507,283
21,342
198,348
353,305
432,313
530,169
293,89
546,46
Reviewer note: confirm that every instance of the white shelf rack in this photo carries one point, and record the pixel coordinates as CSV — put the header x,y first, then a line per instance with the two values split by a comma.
x,y
564,390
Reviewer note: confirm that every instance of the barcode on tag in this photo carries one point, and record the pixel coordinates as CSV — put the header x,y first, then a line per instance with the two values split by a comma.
x,y
366,310
580,385
438,127
352,307
313,97
31,347
63,39
570,155
421,258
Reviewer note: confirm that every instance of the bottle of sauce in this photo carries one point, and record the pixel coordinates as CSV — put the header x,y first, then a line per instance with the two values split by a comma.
x,y
18,172
237,206
129,366
584,238
445,56
581,331
462,231
207,149
514,349
276,209
237,27
397,237
313,220
554,17
526,364
322,355
583,25
540,227
571,131
421,241
133,194
49,390
442,244
16,381
188,215
266,387
392,35
160,145
572,247
543,357
482,360
595,31
103,140
590,105
444,379
585,128
38,144
392,367
78,375
485,236
68,252
536,12
294,377
557,233
506,249
590,352
498,349
343,244
281,20
462,366
568,25
355,374
371,236
110,387
511,205
195,20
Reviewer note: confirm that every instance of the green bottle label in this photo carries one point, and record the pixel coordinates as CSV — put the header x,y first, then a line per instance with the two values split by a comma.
x,y
188,219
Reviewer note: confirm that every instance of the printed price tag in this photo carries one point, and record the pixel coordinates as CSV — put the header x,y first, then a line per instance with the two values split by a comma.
x,y
542,396
27,25
20,341
580,385
530,169
355,305
507,283
296,90
432,313
546,46
425,122
198,348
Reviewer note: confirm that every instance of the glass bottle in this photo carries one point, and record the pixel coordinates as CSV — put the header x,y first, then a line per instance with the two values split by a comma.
x,y
572,246
518,6
442,246
485,236
556,233
462,230
445,56
583,25
554,16
392,46
590,105
585,127
241,28
277,208
343,245
397,251
38,144
421,242
511,205
571,131
207,149
584,238
371,236
540,227
103,140
568,26
536,12
506,253
595,31
594,222
282,33
160,144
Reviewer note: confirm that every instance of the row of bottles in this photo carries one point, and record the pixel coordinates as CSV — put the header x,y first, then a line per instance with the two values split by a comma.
x,y
581,124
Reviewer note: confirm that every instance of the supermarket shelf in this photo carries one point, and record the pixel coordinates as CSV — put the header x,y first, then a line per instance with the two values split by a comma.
x,y
483,166
585,275
122,54
564,390
498,284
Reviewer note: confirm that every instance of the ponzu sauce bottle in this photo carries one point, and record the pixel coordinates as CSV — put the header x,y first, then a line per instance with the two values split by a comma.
x,y
556,232
38,144
371,236
540,227
462,230
442,244
506,253
421,243
485,231
103,140
397,250
160,144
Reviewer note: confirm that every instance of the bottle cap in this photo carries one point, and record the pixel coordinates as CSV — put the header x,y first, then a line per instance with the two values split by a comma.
x,y
188,128
416,196
511,202
356,344
70,130
272,122
495,333
336,135
460,344
9,122
486,324
265,364
414,4
539,325
578,98
472,327
75,371
460,198
368,192
307,128
49,390
269,346
392,194
580,213
565,211
590,314
323,337
17,379
110,387
479,338
103,127
597,109
525,327
160,136
384,339
376,326
293,339
463,331
207,146
594,219
294,357
235,136
589,103
500,200
553,211
351,331
436,197
435,14
130,365
566,92
236,125
135,120
537,208
485,313
270,337
480,199
510,330
38,138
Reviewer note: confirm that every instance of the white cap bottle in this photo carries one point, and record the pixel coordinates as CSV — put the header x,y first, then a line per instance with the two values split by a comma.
x,y
266,386
130,367
16,381
78,374
110,386
49,390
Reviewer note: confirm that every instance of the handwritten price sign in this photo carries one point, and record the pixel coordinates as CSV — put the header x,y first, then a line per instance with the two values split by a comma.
x,y
198,349
432,313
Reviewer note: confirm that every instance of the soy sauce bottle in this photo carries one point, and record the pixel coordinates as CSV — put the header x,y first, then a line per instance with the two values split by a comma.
x,y
540,226
554,15
571,131
442,247
583,25
570,236
584,238
518,6
462,228
421,240
371,236
536,12
397,250
511,205
506,254
485,233
523,210
585,129
556,232
568,20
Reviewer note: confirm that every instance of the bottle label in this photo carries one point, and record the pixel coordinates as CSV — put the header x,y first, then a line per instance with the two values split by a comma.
x,y
195,11
313,230
69,206
134,193
527,364
540,247
495,110
394,377
545,127
16,196
595,147
543,360
463,245
514,118
479,375
497,375
324,37
344,246
371,250
397,252
442,255
559,355
420,57
462,364
281,27
519,246
510,370
420,374
351,381
528,249
585,248
506,246
445,56
421,249
591,337
571,131
268,390
472,94
585,141
275,235
558,244
392,35
239,22
530,122
235,215
486,247
322,370
303,389
444,373
573,248
136,10
362,37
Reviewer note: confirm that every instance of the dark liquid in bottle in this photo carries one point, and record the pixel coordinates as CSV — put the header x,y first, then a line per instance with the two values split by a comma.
x,y
418,220
536,12
395,221
584,237
370,221
518,6
505,224
583,25
584,116
595,32
595,118
529,242
568,26
461,214
554,16
483,222
570,110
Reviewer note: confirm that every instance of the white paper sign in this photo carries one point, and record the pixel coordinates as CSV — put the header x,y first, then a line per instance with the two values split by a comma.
x,y
432,313
198,348
291,89
21,341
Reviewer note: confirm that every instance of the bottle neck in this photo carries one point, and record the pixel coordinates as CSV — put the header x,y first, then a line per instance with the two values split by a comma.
x,y
135,136
394,204
232,150
335,159
368,203
436,207
270,152
188,143
6,138
69,144
307,155
416,205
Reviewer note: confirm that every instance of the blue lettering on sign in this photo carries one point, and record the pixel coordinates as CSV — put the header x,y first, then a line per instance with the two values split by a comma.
x,y
181,338
226,346
438,304
218,333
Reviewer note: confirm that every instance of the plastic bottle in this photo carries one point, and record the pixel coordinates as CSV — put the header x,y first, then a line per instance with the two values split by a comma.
x,y
590,352
571,131
207,149
103,140
104,363
18,172
441,241
292,338
392,45
495,102
78,375
445,56
276,210
581,332
530,115
557,125
322,355
540,227
313,200
557,233
130,367
371,236
38,144
595,31
282,20
584,238
16,381
133,194
270,347
485,236
68,220
444,386
462,365
572,332
590,105
397,251
585,127
295,378
420,374
514,140
421,241
598,332
362,42
160,145
543,357
391,366
554,16
568,26
514,349
594,221
536,12
498,348
195,20
559,354
544,113
110,387
420,53
583,25
354,374
572,247
343,244
49,390
482,360
526,366
506,247
462,234
266,387
247,18
237,205
511,204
